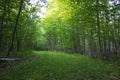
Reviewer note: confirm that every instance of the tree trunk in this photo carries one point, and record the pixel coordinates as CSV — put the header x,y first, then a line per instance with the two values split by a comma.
x,y
98,25
15,28
2,21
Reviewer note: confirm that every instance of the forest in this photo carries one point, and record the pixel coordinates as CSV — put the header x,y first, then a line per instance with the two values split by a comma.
x,y
80,37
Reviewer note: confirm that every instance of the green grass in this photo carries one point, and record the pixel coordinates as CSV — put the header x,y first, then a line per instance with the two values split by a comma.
x,y
61,66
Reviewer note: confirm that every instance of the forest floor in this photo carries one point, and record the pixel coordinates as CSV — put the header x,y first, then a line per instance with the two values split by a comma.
x,y
46,65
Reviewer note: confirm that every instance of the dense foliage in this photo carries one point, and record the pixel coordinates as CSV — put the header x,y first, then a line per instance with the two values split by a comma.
x,y
18,28
83,26
79,26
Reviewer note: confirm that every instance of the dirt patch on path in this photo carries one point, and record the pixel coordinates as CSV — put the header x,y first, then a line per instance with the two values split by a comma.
x,y
7,65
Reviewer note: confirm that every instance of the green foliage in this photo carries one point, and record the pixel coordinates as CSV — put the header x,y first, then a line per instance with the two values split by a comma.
x,y
82,26
26,32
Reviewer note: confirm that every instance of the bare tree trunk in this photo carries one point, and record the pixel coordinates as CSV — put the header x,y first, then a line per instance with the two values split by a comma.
x,y
98,25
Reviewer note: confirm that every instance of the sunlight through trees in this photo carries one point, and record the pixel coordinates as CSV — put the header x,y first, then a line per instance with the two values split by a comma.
x,y
75,26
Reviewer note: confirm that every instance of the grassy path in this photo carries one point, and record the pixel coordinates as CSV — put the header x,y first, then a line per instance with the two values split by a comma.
x,y
60,66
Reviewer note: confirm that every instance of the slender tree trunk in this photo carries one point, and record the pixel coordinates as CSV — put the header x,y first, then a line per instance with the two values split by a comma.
x,y
15,28
18,42
2,21
106,41
118,55
98,25
115,35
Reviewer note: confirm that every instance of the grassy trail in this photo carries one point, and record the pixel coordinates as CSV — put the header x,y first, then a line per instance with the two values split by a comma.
x,y
60,66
